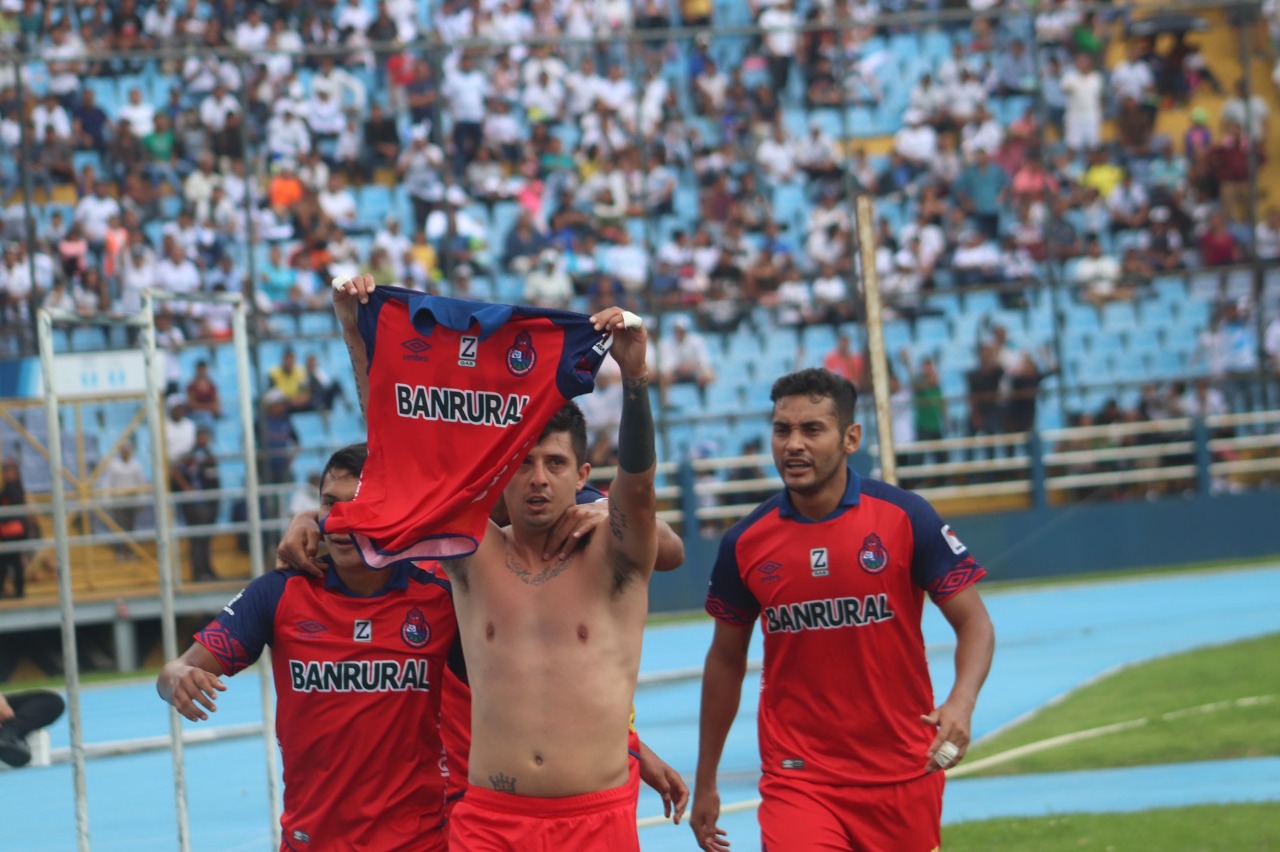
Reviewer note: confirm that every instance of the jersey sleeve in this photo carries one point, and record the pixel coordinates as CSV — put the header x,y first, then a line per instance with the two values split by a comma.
x,y
583,353
728,598
367,316
245,626
940,563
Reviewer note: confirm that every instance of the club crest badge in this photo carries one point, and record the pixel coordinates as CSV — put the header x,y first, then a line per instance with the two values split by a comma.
x,y
521,356
872,556
415,631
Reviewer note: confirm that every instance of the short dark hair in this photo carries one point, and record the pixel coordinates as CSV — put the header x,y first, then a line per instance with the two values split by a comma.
x,y
350,459
570,419
816,383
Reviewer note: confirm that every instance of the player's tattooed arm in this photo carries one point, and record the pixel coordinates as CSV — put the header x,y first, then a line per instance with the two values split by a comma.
x,y
359,367
347,296
503,783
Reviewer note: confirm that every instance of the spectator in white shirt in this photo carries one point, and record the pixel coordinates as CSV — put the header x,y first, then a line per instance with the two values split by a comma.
x,y
710,89
215,107
1266,241
49,113
684,359
776,156
353,18
344,88
140,114
251,34
544,99
547,284
1251,111
1132,78
137,273
65,66
965,98
338,202
198,187
582,87
616,91
200,75
466,89
501,132
179,429
778,25
926,98
160,24
984,133
975,260
94,212
627,262
1082,85
325,116
541,61
1098,276
392,241
916,142
287,136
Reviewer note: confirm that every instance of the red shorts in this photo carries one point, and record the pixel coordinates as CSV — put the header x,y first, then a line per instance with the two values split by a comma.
x,y
488,821
800,816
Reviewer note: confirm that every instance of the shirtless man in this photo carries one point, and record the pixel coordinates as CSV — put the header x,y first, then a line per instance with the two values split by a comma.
x,y
552,641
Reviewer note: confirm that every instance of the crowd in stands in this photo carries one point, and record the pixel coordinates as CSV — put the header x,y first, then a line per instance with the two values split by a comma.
x,y
664,173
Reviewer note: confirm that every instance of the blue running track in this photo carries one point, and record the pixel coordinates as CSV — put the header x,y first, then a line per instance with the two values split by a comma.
x,y
1050,641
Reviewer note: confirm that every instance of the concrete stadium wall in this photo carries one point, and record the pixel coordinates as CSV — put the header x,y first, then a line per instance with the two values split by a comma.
x,y
1077,539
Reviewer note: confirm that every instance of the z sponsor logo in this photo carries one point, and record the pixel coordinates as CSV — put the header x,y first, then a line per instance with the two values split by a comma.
x,y
819,564
468,346
363,631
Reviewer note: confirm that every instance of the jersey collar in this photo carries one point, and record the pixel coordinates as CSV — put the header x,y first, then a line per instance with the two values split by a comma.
x,y
852,493
427,311
398,579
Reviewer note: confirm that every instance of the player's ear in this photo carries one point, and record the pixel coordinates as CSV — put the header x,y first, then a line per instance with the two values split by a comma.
x,y
852,438
584,470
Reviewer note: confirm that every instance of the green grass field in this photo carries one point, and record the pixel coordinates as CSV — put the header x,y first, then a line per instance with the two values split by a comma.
x,y
1171,684
1208,676
1209,828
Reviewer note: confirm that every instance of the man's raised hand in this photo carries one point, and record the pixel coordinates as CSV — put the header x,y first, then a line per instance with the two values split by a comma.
x,y
193,688
629,339
348,295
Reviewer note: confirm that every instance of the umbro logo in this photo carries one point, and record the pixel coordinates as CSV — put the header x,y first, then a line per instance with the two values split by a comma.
x,y
417,346
310,627
769,572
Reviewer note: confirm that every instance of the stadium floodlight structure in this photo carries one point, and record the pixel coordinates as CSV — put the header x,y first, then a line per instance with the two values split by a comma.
x,y
155,382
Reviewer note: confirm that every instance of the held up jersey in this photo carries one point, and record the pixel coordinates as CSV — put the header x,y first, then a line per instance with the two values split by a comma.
x,y
357,702
840,601
458,393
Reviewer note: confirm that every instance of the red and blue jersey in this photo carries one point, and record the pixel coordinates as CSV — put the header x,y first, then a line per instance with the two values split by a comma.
x,y
459,392
357,702
840,602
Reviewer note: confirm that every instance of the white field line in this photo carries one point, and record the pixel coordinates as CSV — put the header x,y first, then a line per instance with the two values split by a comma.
x,y
1041,745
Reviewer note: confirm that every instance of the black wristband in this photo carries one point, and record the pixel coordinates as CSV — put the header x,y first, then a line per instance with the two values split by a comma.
x,y
636,452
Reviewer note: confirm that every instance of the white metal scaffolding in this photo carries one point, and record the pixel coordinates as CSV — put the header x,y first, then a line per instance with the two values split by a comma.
x,y
155,382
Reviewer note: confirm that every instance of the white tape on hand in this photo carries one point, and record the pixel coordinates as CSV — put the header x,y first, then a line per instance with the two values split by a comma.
x,y
946,755
340,282
630,320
